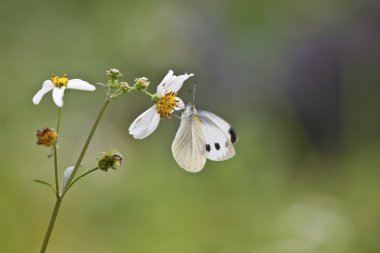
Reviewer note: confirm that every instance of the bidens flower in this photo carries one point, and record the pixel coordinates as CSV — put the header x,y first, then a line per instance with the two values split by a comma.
x,y
59,85
166,102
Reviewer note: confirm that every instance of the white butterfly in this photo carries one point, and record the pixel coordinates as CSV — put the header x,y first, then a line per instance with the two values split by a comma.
x,y
202,135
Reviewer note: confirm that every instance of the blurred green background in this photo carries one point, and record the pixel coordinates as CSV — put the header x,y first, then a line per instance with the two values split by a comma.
x,y
299,80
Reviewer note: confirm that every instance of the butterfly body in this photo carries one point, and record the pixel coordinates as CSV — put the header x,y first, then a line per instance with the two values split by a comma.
x,y
202,135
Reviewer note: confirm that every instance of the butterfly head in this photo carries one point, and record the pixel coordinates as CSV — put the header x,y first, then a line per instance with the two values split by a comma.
x,y
189,110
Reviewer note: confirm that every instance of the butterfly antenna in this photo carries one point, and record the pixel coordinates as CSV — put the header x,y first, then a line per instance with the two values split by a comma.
x,y
195,86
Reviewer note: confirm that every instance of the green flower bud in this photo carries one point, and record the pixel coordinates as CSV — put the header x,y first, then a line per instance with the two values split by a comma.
x,y
114,73
124,86
111,159
141,83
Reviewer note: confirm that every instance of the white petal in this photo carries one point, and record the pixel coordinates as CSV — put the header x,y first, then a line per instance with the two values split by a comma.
x,y
58,96
177,83
180,104
145,124
161,88
166,78
79,84
46,87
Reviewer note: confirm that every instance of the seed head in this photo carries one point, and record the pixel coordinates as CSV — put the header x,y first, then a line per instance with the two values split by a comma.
x,y
46,137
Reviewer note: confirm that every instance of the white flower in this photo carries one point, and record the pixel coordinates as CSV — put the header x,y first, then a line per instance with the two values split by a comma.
x,y
167,103
59,85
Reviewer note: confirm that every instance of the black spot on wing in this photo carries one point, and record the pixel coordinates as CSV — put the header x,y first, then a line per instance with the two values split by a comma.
x,y
208,148
233,135
217,146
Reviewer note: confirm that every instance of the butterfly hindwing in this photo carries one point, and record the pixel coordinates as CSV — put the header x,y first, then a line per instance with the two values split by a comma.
x,y
189,144
219,136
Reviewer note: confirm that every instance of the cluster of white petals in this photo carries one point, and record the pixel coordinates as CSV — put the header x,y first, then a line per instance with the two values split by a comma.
x,y
58,92
147,122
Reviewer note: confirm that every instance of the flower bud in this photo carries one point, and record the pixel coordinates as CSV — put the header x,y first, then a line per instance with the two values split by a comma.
x,y
124,86
46,137
114,73
111,159
141,83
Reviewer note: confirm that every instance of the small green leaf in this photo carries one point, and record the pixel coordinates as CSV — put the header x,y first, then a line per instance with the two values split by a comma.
x,y
44,183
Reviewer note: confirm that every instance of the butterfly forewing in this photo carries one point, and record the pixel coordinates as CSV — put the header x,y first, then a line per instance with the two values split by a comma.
x,y
218,136
222,124
189,144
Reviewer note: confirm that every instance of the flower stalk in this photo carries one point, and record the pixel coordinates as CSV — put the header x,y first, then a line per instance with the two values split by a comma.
x,y
56,171
51,224
84,149
55,153
68,186
60,196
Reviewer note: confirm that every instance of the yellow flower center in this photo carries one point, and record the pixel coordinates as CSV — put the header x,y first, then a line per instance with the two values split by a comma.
x,y
59,81
166,104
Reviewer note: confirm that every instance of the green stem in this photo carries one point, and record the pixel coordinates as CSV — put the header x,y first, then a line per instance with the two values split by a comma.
x,y
56,170
68,184
59,119
77,179
147,93
51,224
79,161
56,155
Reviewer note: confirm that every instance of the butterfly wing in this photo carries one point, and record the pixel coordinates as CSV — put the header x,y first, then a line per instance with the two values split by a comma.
x,y
219,136
189,144
222,124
